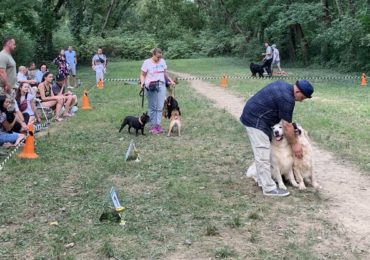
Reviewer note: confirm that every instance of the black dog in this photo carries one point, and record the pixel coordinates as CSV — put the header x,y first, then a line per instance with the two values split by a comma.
x,y
135,122
170,104
255,68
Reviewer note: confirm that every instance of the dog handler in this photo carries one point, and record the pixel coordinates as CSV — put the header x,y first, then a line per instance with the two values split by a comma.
x,y
266,108
153,73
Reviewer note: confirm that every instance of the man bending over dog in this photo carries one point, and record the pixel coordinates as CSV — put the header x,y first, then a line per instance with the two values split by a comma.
x,y
266,108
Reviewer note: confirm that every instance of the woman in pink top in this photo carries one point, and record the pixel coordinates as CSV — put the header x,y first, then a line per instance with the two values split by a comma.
x,y
152,77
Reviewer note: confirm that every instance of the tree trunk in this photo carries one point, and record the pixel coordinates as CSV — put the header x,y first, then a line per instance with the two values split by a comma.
x,y
351,7
107,18
304,44
327,18
291,44
327,21
339,7
230,19
119,16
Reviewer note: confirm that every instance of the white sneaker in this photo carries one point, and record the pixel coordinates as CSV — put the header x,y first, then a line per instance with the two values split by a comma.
x,y
276,193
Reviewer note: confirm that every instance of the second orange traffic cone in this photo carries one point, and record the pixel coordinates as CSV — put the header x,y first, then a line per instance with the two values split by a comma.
x,y
85,101
363,79
223,82
100,84
29,148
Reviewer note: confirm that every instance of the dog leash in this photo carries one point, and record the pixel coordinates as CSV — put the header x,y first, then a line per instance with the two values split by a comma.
x,y
142,94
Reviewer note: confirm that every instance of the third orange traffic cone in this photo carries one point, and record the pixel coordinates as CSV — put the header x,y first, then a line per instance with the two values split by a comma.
x,y
29,148
223,82
100,84
85,101
363,79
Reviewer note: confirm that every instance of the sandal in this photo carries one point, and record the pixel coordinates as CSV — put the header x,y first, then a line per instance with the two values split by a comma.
x,y
67,115
58,119
7,145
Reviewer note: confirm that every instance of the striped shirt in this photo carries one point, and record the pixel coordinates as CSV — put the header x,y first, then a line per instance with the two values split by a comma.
x,y
268,106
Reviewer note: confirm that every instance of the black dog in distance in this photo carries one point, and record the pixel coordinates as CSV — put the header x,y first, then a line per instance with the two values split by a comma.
x,y
255,68
136,122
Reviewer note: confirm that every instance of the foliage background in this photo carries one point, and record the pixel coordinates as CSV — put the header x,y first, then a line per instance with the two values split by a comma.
x,y
326,32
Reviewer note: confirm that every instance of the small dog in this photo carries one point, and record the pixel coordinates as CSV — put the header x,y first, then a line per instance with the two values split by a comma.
x,y
302,168
136,122
255,68
175,122
281,157
170,104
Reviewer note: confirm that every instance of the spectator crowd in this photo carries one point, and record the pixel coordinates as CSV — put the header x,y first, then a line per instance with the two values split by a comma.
x,y
26,95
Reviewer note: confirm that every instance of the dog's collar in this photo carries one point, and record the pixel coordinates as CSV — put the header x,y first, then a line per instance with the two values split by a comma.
x,y
140,121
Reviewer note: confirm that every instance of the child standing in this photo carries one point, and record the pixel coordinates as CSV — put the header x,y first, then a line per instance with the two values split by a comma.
x,y
99,71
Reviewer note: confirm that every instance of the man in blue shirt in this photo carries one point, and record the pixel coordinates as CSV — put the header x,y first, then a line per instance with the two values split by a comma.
x,y
72,62
267,107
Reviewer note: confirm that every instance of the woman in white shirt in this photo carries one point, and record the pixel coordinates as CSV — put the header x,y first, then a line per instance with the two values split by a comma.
x,y
153,75
26,103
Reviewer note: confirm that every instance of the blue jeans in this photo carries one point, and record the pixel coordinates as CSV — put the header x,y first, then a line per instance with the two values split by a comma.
x,y
8,138
155,103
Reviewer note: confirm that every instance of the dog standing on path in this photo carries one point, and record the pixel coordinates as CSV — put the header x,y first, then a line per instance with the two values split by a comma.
x,y
302,168
175,121
281,157
170,104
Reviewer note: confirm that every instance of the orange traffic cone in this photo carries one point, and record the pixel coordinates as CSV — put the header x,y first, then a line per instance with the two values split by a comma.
x,y
100,84
85,101
223,82
29,148
363,79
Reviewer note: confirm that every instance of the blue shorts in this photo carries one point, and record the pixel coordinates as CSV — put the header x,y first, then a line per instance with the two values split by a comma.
x,y
72,69
8,138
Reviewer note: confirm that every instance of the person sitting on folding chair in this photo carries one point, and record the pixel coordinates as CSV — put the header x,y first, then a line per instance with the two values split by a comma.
x,y
26,103
48,99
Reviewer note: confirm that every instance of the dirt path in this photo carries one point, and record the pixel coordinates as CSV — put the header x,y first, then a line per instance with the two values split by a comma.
x,y
346,189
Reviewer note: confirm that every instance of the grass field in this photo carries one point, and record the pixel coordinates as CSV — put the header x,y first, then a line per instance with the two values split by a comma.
x,y
188,197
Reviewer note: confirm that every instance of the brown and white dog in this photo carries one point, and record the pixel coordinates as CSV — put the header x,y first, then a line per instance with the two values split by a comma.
x,y
302,168
175,121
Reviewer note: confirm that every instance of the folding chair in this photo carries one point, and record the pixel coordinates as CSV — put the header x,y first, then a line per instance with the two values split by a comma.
x,y
44,112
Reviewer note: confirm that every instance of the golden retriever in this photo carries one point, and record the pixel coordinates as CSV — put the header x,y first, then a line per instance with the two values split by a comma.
x,y
302,168
281,157
283,161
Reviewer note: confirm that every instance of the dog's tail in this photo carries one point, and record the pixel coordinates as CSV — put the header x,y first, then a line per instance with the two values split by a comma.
x,y
122,126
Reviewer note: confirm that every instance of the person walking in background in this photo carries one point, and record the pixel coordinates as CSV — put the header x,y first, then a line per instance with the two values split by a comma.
x,y
99,71
267,59
71,59
267,107
99,56
275,58
152,77
8,70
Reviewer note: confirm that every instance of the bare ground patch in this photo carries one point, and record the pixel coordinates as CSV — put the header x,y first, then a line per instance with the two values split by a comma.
x,y
344,188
